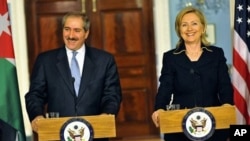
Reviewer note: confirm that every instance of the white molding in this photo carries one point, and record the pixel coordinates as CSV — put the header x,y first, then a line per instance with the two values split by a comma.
x,y
162,30
18,27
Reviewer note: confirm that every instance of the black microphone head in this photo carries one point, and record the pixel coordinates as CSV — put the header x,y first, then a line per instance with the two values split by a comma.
x,y
191,71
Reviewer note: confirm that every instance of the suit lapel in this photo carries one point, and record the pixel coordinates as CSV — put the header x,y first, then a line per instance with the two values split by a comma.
x,y
182,60
64,70
204,59
87,74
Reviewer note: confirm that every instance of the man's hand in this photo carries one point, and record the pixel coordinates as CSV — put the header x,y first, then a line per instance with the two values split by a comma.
x,y
34,123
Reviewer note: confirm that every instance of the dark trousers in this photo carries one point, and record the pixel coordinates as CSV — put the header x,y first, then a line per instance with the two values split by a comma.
x,y
101,140
7,132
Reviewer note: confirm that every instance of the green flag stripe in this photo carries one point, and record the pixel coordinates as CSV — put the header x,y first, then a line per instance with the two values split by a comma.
x,y
10,104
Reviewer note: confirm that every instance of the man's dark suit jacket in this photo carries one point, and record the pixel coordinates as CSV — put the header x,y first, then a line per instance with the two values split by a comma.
x,y
52,84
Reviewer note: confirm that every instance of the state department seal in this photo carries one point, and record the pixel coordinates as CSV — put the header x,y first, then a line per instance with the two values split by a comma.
x,y
76,129
198,124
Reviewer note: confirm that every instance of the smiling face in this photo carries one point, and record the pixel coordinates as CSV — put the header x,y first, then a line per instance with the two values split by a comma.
x,y
74,35
191,28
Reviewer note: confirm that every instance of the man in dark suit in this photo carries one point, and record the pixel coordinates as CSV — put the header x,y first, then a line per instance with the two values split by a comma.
x,y
52,81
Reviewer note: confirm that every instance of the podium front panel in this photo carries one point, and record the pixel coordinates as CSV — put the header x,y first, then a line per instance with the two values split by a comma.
x,y
103,126
171,121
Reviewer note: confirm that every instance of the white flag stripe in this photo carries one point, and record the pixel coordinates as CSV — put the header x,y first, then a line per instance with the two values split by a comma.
x,y
240,119
241,47
241,61
240,85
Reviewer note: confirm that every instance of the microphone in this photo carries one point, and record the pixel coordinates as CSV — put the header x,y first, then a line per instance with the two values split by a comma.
x,y
197,76
191,71
73,80
171,101
75,97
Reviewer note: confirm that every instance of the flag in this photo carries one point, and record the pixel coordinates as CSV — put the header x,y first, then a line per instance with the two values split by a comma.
x,y
241,61
10,104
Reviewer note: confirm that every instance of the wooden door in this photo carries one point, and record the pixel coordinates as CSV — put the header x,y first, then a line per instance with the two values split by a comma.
x,y
121,27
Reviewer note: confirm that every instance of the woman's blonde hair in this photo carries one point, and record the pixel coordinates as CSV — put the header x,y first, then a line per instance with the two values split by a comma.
x,y
203,21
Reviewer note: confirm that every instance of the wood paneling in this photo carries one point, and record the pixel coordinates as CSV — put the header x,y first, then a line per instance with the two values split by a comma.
x,y
121,27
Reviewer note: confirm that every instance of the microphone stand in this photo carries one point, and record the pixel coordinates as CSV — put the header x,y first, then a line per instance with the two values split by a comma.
x,y
171,101
75,97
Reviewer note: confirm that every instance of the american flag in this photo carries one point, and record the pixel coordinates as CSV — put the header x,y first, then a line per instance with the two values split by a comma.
x,y
241,61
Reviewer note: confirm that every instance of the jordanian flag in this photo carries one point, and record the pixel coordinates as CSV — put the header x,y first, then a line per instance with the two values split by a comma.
x,y
10,104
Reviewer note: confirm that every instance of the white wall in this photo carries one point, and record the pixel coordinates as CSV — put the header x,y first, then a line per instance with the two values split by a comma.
x,y
20,46
162,34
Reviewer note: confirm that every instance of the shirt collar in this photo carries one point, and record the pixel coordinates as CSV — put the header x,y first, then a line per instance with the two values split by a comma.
x,y
81,50
182,49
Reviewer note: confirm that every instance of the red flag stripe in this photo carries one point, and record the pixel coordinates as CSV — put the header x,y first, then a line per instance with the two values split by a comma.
x,y
241,94
241,79
6,49
241,66
241,47
242,112
10,107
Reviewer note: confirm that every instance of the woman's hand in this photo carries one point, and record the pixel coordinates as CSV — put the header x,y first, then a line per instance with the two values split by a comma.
x,y
226,104
155,117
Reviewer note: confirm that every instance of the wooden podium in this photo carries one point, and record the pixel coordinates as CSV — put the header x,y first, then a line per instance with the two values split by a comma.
x,y
171,121
103,127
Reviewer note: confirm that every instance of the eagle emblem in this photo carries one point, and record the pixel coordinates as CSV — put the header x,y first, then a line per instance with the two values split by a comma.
x,y
77,134
76,129
198,124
